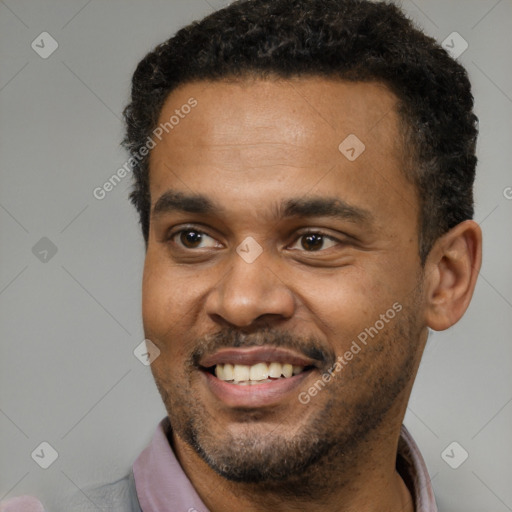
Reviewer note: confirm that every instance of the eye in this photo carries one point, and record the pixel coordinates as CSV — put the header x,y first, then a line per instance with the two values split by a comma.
x,y
315,241
192,239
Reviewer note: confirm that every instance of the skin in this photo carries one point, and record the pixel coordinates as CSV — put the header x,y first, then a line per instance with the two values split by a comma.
x,y
248,146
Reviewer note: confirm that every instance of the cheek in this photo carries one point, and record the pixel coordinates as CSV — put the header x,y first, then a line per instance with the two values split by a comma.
x,y
167,309
155,296
345,302
163,296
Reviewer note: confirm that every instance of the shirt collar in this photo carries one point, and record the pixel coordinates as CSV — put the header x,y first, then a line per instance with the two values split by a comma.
x,y
413,470
159,479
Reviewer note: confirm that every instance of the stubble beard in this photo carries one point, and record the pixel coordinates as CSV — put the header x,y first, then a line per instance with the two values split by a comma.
x,y
328,445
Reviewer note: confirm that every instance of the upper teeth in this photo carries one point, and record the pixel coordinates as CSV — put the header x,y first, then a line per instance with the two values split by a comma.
x,y
256,372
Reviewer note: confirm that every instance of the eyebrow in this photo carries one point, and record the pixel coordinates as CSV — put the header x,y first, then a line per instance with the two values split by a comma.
x,y
315,206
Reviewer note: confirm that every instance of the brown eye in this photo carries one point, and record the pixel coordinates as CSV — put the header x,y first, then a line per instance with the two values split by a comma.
x,y
190,239
193,239
314,242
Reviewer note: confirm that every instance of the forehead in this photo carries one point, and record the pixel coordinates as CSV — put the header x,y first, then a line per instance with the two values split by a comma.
x,y
304,112
256,135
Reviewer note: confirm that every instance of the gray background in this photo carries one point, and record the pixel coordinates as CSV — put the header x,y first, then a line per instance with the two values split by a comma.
x,y
69,325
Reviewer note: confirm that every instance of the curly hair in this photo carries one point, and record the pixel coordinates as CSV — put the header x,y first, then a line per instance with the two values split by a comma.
x,y
353,40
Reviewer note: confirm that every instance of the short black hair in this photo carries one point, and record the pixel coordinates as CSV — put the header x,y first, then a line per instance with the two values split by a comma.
x,y
355,40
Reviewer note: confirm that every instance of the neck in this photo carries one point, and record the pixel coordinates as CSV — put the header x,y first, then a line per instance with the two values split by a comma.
x,y
363,481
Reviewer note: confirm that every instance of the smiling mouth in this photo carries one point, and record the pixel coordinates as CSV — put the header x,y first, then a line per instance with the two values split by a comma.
x,y
257,376
259,373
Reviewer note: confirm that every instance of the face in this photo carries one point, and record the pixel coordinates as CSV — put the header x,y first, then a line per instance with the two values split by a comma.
x,y
282,283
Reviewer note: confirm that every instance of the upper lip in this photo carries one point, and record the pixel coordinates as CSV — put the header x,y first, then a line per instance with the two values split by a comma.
x,y
253,355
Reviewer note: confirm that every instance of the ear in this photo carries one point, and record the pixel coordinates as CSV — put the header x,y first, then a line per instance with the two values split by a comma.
x,y
451,271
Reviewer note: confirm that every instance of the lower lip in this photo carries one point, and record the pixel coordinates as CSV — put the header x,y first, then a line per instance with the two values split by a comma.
x,y
255,395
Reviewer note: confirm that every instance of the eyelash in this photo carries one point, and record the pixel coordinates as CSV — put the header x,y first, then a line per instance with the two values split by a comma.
x,y
185,229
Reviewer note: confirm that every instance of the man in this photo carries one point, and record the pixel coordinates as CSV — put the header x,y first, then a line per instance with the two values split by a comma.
x,y
303,174
306,210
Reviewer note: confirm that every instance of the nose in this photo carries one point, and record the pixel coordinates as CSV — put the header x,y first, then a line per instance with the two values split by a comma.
x,y
249,293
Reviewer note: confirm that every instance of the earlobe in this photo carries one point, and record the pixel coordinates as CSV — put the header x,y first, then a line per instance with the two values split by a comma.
x,y
452,268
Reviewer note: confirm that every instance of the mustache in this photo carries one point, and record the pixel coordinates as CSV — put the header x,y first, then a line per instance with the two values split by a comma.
x,y
309,346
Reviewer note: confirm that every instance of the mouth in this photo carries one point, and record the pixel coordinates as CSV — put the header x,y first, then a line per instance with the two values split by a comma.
x,y
259,373
257,376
